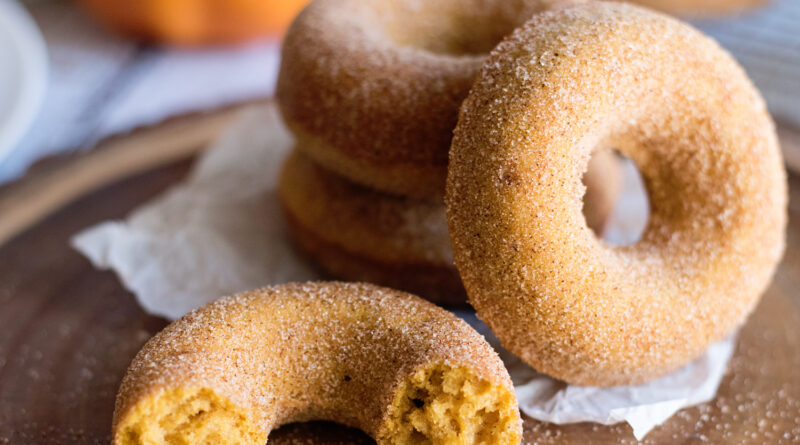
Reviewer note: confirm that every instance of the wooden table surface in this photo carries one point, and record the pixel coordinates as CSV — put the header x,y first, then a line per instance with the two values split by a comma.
x,y
68,331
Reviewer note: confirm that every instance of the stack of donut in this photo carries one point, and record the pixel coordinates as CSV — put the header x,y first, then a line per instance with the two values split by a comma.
x,y
374,90
371,91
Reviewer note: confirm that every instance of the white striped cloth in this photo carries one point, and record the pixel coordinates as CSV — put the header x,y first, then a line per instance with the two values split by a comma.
x,y
767,43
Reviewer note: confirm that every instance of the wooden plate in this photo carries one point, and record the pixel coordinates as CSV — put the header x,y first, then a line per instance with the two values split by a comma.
x,y
68,331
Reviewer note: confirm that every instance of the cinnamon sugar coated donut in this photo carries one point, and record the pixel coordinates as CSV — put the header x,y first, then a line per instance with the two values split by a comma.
x,y
359,234
371,90
614,75
397,367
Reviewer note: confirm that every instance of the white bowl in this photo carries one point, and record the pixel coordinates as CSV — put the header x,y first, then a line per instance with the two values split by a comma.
x,y
23,74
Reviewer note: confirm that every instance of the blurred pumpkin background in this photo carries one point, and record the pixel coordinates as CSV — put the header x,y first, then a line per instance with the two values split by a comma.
x,y
80,71
195,22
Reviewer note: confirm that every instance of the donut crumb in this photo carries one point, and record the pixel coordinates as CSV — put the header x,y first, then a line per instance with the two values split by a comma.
x,y
445,405
187,416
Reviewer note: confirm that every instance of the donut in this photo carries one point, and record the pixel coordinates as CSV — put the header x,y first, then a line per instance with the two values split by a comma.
x,y
371,90
654,88
701,7
358,234
391,364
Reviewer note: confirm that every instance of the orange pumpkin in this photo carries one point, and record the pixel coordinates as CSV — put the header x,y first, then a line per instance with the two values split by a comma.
x,y
195,22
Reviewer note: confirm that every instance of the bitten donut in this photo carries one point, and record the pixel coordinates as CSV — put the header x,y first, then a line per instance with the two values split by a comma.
x,y
358,234
397,367
614,75
371,90
701,7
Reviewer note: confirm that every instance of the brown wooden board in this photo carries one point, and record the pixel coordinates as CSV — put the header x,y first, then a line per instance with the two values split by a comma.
x,y
68,331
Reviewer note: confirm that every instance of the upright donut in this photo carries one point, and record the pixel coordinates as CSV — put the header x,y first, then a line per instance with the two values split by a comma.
x,y
614,75
397,367
371,90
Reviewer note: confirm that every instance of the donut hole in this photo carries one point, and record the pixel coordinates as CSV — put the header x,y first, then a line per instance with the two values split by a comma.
x,y
443,405
186,416
455,27
616,204
603,182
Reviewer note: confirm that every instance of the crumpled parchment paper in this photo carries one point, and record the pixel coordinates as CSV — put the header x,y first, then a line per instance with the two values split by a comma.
x,y
221,232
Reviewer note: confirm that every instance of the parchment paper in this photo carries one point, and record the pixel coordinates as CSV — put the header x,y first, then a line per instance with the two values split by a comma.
x,y
221,232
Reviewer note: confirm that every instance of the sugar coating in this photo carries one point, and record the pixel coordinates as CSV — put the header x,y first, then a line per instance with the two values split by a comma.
x,y
613,75
358,234
388,228
372,89
299,352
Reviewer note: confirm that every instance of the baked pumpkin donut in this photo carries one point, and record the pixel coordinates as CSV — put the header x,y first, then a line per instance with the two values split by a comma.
x,y
401,369
358,234
614,75
371,90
